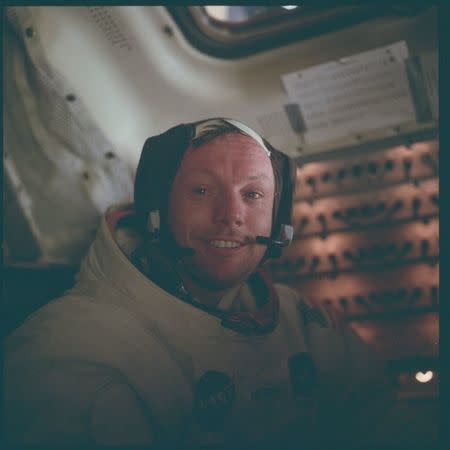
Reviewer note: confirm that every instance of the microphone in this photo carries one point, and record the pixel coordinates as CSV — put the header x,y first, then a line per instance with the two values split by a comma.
x,y
283,240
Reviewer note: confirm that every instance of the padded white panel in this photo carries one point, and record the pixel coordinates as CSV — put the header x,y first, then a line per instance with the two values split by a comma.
x,y
138,80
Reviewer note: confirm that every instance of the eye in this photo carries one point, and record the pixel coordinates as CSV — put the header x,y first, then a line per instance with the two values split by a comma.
x,y
199,190
252,195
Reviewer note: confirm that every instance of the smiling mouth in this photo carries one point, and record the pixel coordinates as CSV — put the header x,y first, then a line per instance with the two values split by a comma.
x,y
224,244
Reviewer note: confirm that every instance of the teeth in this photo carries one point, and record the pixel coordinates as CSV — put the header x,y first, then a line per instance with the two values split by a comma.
x,y
224,244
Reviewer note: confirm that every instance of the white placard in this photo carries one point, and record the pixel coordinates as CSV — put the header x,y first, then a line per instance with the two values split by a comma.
x,y
362,92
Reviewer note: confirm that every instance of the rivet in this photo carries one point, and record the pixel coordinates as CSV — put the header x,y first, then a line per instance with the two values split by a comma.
x,y
109,155
85,175
168,30
30,32
70,97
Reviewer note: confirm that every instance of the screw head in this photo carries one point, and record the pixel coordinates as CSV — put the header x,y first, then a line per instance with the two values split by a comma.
x,y
29,32
168,30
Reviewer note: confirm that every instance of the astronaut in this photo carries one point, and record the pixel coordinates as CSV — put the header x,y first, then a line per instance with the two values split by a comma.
x,y
174,334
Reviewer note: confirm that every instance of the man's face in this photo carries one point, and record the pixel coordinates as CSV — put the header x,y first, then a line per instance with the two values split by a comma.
x,y
221,199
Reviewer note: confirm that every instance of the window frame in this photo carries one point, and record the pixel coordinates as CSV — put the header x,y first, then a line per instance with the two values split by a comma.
x,y
241,39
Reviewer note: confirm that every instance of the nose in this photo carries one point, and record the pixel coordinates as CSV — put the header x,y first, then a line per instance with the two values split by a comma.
x,y
228,210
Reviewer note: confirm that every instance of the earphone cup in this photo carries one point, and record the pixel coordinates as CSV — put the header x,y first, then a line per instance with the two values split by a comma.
x,y
285,170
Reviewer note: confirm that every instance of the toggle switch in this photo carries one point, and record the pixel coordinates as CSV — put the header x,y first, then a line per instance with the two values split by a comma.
x,y
326,177
397,206
303,223
415,295
406,248
344,303
415,206
323,223
360,301
333,261
434,198
314,263
348,255
424,248
338,215
311,181
407,166
342,173
366,210
429,161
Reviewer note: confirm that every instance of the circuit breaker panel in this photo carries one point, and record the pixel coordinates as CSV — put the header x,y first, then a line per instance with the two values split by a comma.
x,y
366,243
366,213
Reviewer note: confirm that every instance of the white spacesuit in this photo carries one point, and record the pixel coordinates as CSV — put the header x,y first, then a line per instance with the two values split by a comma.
x,y
120,361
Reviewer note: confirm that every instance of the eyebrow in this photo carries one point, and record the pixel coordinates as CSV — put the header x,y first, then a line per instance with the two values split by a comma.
x,y
259,176
255,177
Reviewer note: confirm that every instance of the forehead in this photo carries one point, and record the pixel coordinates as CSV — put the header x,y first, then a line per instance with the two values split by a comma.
x,y
237,151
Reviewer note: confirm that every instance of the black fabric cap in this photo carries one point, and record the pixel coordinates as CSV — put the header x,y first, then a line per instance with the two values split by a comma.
x,y
158,164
